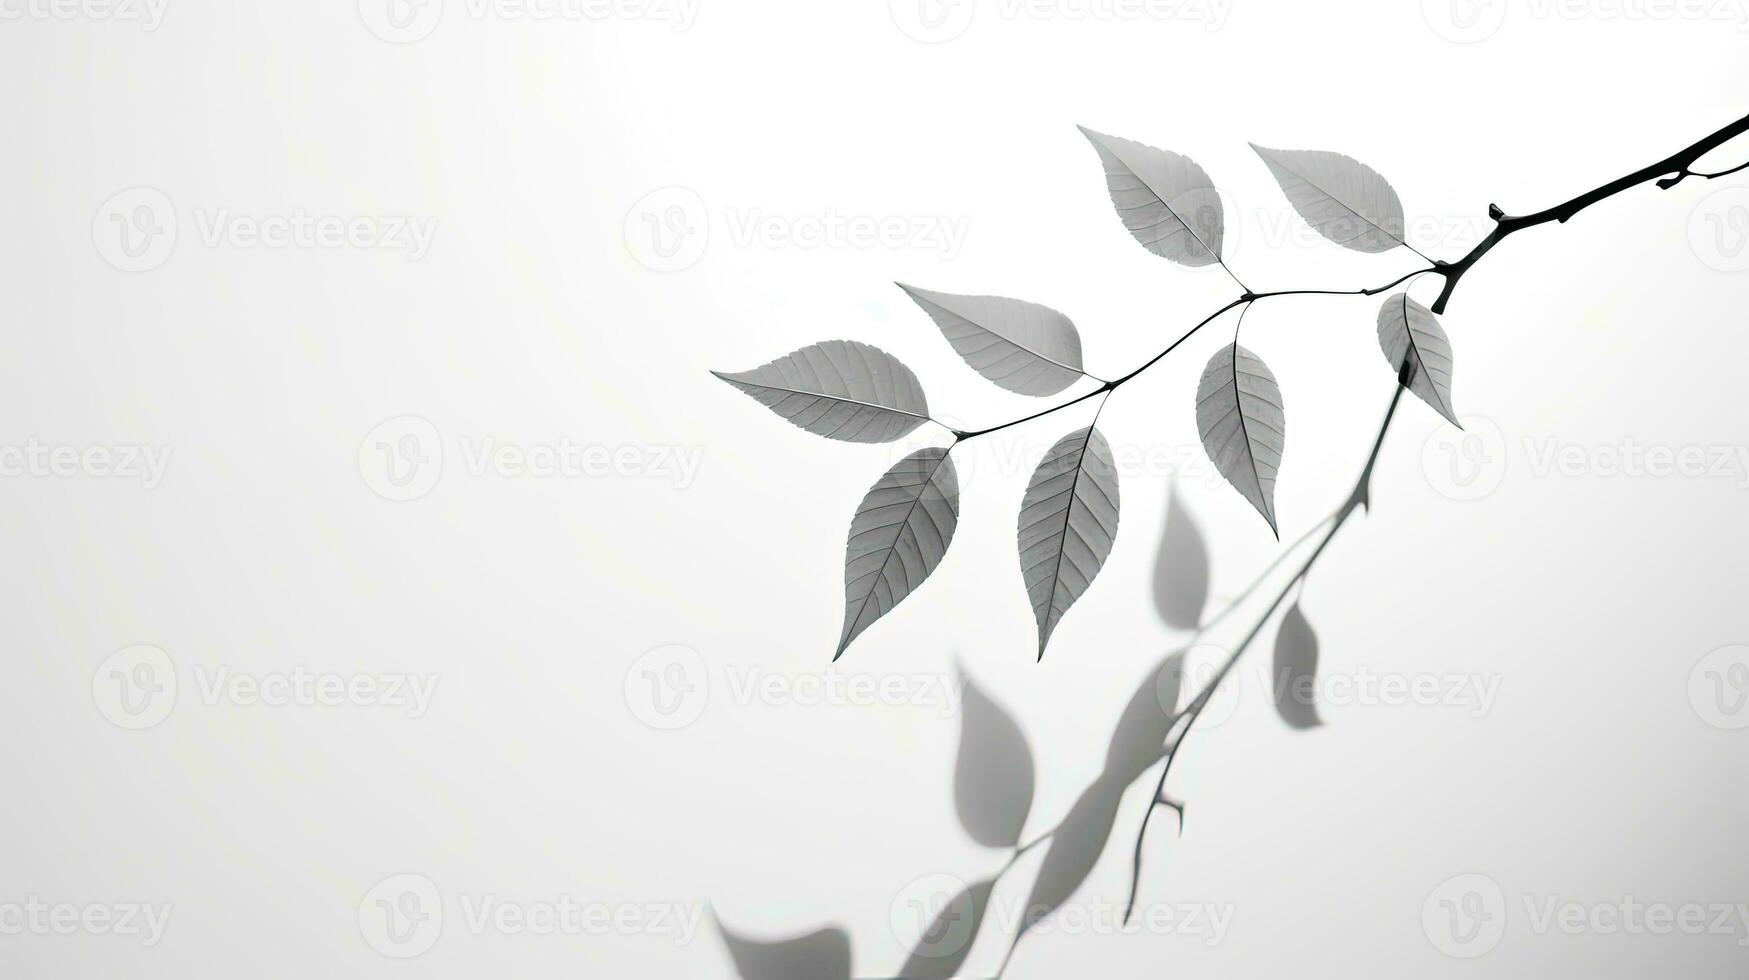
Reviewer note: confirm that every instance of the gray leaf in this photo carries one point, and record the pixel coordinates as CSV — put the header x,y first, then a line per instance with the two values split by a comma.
x,y
1165,200
1410,334
1024,347
944,947
1068,520
1342,199
839,389
1140,738
1238,412
992,777
899,535
1181,573
822,955
1296,668
1075,848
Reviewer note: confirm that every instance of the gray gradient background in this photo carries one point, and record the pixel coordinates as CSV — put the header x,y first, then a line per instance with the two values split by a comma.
x,y
1589,597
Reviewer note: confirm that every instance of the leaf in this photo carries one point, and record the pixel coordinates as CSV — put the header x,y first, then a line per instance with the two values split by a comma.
x,y
1342,199
1296,668
1068,520
1024,347
899,535
821,955
944,947
1181,573
1165,200
1140,738
1411,338
839,389
1238,412
992,777
1075,849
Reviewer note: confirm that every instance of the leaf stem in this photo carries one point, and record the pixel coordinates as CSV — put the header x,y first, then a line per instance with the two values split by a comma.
x,y
1247,298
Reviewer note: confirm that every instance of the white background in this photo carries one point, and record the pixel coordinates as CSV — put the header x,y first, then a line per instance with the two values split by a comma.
x,y
532,319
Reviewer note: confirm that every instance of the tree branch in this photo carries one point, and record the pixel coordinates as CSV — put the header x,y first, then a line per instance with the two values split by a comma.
x,y
1677,164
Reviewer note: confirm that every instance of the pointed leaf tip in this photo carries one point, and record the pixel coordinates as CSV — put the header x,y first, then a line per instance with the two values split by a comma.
x,y
1415,345
1344,200
1243,427
1167,202
1064,543
839,389
898,537
1024,347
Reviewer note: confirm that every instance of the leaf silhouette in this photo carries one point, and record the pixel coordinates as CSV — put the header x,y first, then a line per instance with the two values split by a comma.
x,y
839,389
1296,667
1165,200
1181,573
1140,738
1075,848
948,941
820,955
1410,335
992,777
1068,520
1343,199
1024,347
899,535
1239,413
